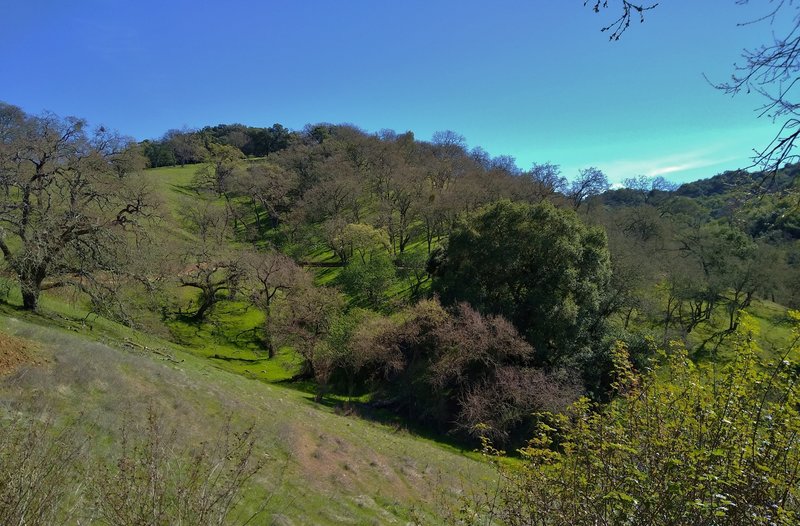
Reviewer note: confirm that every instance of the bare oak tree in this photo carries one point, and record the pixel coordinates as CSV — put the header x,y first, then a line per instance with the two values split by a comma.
x,y
68,197
270,274
589,182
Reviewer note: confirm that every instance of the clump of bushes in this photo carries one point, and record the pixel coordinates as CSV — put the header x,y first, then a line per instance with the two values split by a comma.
x,y
680,445
450,369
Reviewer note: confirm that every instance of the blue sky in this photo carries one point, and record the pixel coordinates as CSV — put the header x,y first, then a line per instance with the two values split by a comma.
x,y
535,79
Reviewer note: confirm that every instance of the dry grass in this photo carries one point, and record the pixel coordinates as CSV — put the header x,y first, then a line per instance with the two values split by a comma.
x,y
320,467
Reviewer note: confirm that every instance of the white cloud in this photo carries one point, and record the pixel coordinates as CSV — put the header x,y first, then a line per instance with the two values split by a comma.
x,y
667,165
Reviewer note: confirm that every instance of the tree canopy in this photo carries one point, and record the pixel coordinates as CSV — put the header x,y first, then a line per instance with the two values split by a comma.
x,y
67,196
536,265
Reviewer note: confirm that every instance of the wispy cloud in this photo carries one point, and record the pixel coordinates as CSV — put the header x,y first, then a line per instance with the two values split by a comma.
x,y
693,165
674,165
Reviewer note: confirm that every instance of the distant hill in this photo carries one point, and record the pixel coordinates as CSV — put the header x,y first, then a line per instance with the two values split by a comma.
x,y
738,180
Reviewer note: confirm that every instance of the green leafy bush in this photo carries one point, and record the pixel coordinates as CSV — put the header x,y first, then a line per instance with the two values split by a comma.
x,y
681,445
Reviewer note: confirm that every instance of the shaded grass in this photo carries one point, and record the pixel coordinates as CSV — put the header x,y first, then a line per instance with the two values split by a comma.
x,y
232,340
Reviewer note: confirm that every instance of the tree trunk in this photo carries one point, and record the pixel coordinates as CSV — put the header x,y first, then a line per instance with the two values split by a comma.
x,y
257,214
30,298
628,318
229,207
268,343
30,283
205,305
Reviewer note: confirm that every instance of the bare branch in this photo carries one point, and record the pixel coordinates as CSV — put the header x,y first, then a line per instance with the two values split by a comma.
x,y
622,23
771,70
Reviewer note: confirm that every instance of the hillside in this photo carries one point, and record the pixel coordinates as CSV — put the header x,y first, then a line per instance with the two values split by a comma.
x,y
376,306
322,468
254,274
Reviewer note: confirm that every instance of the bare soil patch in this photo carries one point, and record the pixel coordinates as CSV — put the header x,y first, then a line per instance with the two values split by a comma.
x,y
15,352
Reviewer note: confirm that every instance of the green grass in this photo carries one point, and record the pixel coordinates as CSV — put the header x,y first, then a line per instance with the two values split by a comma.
x,y
323,468
230,339
175,179
773,333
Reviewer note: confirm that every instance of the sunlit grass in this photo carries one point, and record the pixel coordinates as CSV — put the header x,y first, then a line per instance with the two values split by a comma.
x,y
322,468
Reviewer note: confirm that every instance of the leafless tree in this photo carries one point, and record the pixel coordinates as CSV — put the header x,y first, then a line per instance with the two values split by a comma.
x,y
648,186
269,274
772,71
215,273
541,182
69,199
589,182
303,319
268,187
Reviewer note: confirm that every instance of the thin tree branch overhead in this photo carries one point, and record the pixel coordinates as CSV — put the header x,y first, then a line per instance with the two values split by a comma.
x,y
628,10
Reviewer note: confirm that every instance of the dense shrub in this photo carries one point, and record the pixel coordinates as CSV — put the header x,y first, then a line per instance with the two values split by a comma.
x,y
682,445
455,369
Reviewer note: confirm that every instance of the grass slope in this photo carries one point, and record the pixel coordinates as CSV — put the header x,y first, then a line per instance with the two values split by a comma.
x,y
773,333
322,468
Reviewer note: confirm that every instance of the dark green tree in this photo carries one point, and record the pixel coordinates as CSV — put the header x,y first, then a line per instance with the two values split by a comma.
x,y
158,153
536,265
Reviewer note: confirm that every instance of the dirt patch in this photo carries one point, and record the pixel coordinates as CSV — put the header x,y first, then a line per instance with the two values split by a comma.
x,y
15,352
328,462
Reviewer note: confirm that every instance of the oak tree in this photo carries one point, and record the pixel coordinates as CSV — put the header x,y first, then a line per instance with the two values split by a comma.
x,y
538,266
69,196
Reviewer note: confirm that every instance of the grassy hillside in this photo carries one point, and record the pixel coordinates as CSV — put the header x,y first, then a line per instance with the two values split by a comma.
x,y
446,292
322,468
772,325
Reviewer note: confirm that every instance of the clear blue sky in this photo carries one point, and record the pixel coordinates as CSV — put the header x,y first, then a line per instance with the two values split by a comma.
x,y
535,79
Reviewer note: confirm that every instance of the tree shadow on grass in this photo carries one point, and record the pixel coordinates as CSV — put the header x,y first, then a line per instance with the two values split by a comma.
x,y
387,417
